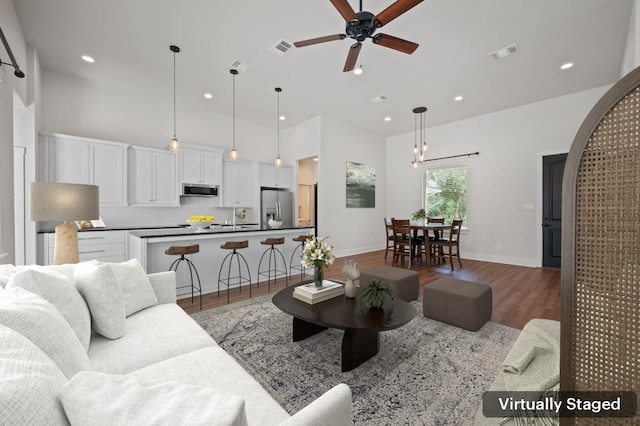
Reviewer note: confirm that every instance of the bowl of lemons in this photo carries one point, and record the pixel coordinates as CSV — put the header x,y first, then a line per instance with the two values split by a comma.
x,y
200,222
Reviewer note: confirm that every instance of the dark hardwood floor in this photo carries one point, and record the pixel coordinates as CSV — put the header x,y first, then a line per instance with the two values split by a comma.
x,y
519,293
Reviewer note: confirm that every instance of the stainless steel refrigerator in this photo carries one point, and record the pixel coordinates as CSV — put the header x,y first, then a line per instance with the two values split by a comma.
x,y
276,203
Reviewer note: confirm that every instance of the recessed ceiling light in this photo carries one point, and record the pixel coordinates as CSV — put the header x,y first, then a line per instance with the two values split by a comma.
x,y
358,70
458,98
566,66
208,95
387,119
88,58
282,117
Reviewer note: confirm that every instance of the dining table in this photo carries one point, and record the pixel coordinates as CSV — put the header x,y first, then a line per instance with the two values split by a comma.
x,y
438,228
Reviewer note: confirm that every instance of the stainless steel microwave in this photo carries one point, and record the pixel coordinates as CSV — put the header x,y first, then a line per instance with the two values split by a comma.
x,y
199,190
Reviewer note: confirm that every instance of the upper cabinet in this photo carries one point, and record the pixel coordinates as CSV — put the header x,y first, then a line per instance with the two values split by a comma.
x,y
70,159
237,188
199,164
153,177
276,177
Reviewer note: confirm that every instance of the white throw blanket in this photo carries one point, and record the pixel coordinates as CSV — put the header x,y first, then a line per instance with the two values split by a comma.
x,y
533,365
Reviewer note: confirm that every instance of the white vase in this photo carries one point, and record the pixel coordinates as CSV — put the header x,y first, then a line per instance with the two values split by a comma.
x,y
350,289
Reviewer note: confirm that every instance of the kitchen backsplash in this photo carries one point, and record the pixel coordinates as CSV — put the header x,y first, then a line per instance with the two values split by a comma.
x,y
138,215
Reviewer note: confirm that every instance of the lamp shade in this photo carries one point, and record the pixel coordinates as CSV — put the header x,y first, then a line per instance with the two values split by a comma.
x,y
52,202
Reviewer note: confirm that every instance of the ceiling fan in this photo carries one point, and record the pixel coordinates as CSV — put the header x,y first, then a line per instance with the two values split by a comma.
x,y
362,25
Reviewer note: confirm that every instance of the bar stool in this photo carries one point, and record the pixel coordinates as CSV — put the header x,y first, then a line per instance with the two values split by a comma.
x,y
182,251
302,239
272,264
234,255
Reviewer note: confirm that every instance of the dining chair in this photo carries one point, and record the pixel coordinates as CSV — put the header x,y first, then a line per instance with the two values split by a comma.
x,y
436,234
404,245
451,244
388,229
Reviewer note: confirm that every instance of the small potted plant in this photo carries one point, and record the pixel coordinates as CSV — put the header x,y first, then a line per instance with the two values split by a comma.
x,y
420,217
375,293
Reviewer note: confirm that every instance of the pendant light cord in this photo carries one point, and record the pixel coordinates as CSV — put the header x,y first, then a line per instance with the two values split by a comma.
x,y
174,95
278,122
234,110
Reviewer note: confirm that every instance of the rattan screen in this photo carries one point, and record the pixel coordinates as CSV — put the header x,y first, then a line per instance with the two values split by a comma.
x,y
606,287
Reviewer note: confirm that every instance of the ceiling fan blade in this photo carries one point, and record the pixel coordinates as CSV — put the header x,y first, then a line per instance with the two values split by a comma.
x,y
352,58
394,10
395,43
319,40
345,10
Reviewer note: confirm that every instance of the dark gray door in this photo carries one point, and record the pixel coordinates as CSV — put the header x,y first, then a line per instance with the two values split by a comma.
x,y
552,171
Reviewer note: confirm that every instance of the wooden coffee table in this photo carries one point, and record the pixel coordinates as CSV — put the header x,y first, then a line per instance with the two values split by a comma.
x,y
361,325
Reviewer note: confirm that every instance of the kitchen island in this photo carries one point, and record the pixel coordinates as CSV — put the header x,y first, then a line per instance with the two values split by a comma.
x,y
148,246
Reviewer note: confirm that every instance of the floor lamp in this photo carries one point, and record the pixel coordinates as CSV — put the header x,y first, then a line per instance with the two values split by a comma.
x,y
55,202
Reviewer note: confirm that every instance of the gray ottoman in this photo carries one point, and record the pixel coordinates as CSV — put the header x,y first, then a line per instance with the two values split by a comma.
x,y
405,283
464,304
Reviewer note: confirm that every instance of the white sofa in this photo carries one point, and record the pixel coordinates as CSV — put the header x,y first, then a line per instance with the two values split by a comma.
x,y
106,344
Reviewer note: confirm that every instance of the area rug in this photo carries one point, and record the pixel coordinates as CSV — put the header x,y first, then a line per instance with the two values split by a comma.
x,y
426,372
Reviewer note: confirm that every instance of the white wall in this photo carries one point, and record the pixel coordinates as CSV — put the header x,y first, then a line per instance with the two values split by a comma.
x,y
631,57
501,180
351,230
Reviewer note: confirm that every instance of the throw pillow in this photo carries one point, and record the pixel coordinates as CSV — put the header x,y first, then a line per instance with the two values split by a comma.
x,y
136,288
30,383
39,321
58,290
93,398
98,285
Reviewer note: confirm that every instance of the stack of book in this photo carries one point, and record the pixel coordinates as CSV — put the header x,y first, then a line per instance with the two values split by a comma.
x,y
310,294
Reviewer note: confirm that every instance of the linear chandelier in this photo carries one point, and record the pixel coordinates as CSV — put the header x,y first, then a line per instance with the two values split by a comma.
x,y
420,143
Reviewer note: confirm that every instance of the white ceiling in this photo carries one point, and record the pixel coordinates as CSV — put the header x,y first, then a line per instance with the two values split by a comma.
x,y
130,43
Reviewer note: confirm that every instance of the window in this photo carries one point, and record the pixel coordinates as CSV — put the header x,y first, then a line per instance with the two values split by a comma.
x,y
445,193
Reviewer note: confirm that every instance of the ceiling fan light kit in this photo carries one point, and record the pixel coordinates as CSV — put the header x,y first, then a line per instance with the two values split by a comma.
x,y
362,25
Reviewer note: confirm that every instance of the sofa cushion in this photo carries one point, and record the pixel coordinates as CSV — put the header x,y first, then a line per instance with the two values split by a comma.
x,y
93,398
39,321
98,285
215,368
136,288
151,335
58,290
30,383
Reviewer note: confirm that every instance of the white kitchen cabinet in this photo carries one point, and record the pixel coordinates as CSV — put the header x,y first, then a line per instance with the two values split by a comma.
x,y
70,159
276,177
152,177
200,164
237,184
105,246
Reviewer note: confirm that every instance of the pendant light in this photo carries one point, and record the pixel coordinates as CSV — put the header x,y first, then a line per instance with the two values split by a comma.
x,y
234,152
174,145
278,159
419,143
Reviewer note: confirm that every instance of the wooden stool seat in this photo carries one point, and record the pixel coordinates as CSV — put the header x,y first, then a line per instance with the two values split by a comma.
x,y
182,250
300,239
273,241
235,245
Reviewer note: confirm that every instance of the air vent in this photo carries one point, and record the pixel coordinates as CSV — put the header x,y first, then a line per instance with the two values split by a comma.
x,y
378,99
504,52
282,47
237,64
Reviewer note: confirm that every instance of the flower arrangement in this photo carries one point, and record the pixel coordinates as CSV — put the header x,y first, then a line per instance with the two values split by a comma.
x,y
317,252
